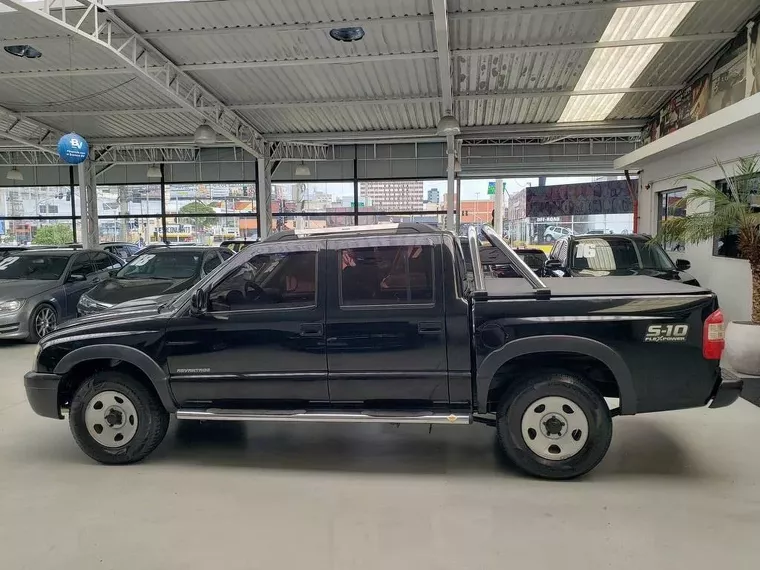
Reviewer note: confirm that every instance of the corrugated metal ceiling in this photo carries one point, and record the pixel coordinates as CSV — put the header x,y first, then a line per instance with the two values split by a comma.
x,y
227,31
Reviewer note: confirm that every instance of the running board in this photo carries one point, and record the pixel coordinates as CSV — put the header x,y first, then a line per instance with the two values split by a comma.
x,y
219,414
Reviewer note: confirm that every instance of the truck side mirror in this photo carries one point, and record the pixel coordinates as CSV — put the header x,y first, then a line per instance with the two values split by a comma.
x,y
199,303
683,264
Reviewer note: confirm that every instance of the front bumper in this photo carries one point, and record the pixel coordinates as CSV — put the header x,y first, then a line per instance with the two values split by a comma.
x,y
42,393
729,389
14,325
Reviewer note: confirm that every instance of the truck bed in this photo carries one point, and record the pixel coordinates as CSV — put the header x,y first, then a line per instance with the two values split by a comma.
x,y
592,286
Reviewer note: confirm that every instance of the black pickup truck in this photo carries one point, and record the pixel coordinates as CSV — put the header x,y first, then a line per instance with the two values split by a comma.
x,y
386,324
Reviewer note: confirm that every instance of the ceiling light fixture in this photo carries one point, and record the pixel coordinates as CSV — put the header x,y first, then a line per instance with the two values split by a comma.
x,y
154,171
448,126
204,135
347,34
620,67
302,170
15,174
23,50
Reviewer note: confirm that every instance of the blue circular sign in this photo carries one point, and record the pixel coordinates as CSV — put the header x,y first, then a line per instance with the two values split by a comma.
x,y
73,149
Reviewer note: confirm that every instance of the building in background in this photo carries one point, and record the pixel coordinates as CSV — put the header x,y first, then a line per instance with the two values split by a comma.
x,y
393,195
434,196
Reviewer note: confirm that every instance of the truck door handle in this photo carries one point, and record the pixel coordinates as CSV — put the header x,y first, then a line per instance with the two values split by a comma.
x,y
432,328
312,329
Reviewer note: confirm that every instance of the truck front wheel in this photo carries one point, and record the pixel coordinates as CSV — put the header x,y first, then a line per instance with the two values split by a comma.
x,y
115,419
554,426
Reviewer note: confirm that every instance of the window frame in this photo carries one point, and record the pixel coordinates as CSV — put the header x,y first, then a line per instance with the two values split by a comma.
x,y
237,261
662,214
434,241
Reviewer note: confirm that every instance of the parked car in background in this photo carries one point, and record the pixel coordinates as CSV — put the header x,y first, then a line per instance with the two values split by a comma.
x,y
553,233
160,271
496,264
153,246
615,255
237,245
122,250
39,289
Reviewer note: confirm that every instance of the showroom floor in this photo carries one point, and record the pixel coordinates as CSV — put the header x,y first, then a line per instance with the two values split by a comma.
x,y
676,489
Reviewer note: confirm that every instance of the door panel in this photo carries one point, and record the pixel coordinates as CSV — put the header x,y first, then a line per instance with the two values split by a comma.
x,y
386,336
257,346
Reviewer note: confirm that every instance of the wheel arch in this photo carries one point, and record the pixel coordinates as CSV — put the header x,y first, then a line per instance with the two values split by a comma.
x,y
136,358
557,344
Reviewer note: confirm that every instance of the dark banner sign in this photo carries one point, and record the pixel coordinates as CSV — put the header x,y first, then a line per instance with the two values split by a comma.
x,y
611,197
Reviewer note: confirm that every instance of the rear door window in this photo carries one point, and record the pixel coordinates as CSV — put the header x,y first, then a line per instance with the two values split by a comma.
x,y
393,275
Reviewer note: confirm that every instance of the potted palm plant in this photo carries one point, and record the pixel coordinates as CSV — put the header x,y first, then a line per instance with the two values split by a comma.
x,y
712,213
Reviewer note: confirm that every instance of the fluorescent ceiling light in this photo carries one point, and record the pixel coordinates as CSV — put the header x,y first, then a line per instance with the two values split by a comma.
x,y
619,68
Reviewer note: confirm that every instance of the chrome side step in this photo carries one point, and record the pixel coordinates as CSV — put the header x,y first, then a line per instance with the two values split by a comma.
x,y
218,414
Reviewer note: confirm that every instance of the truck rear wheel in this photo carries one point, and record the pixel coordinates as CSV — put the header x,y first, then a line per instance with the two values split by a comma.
x,y
554,426
115,419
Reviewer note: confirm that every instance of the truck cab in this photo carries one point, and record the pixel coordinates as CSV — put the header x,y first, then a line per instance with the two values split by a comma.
x,y
387,324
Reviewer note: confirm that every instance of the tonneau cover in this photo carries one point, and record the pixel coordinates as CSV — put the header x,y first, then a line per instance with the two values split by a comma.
x,y
591,286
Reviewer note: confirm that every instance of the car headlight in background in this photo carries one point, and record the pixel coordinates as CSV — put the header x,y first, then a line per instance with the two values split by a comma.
x,y
90,304
11,306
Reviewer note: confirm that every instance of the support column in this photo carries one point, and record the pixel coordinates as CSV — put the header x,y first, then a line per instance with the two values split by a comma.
x,y
498,207
89,204
450,193
264,197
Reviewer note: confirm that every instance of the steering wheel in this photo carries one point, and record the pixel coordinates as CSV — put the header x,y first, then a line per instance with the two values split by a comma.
x,y
253,291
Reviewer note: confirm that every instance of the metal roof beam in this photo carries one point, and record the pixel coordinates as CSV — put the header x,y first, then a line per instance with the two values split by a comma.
x,y
440,13
98,23
518,94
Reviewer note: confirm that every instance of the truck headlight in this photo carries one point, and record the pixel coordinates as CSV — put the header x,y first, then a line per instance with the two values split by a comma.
x,y
11,306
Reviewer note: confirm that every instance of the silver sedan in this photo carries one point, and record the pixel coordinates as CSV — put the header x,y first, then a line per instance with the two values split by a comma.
x,y
39,289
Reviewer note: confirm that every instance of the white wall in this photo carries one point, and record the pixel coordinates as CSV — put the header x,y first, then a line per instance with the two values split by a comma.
x,y
729,278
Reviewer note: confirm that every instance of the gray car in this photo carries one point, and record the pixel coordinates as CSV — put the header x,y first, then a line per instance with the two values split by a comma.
x,y
39,289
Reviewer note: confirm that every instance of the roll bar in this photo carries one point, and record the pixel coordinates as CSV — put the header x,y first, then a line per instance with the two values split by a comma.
x,y
477,268
520,265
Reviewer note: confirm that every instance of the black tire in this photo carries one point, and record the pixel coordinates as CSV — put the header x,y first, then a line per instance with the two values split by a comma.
x,y
516,402
152,418
34,337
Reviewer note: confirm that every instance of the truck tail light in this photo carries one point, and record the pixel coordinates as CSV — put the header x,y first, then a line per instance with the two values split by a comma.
x,y
713,336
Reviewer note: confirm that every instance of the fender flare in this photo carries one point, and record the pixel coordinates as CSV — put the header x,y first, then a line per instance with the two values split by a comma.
x,y
127,354
558,343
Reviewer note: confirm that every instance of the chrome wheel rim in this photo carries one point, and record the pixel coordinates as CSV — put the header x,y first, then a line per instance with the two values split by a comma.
x,y
111,419
44,322
555,428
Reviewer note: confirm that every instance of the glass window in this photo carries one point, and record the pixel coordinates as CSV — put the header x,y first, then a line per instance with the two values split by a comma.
x,y
36,267
125,200
36,232
82,265
728,244
268,280
168,263
386,275
670,206
103,261
211,262
422,198
226,254
616,254
33,201
130,230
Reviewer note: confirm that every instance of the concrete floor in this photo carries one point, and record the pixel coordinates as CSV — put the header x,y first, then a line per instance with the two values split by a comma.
x,y
676,489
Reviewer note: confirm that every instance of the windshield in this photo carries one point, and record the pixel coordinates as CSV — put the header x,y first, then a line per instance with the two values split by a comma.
x,y
33,267
163,265
604,254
